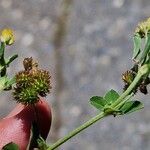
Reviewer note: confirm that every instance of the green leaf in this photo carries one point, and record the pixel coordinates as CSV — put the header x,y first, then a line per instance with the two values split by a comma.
x,y
144,54
98,102
137,45
2,48
11,59
1,67
9,83
111,96
3,81
131,106
11,146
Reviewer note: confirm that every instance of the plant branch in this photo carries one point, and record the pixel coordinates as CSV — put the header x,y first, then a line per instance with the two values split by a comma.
x,y
77,130
144,70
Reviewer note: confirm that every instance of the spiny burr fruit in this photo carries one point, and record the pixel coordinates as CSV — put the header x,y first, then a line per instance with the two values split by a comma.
x,y
31,83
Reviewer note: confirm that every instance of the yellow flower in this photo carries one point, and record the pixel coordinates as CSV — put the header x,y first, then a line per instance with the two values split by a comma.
x,y
7,36
143,28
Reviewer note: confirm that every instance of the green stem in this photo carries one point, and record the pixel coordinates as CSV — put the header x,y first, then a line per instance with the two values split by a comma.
x,y
123,101
128,91
144,70
77,130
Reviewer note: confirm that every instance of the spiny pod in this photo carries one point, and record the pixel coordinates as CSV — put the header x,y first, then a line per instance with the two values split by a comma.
x,y
31,83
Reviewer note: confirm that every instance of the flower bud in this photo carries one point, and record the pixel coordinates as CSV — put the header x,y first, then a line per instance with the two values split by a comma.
x,y
7,36
143,28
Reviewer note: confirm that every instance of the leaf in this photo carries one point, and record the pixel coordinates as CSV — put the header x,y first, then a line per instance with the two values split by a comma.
x,y
11,146
146,50
137,45
9,83
2,48
142,56
12,58
98,102
1,67
111,96
131,106
3,81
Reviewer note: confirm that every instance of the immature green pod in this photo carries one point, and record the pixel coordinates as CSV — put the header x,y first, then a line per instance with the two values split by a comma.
x,y
31,83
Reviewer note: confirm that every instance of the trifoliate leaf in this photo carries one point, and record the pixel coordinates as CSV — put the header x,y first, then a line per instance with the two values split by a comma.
x,y
111,96
102,103
11,146
98,102
137,45
131,106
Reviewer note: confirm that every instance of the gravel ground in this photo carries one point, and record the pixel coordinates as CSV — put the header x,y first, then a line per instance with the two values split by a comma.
x,y
96,52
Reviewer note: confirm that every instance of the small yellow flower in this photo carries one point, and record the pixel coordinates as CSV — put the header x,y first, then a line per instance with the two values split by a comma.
x,y
143,28
7,36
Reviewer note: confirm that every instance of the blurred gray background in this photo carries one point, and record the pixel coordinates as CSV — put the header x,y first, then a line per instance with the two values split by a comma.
x,y
88,58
